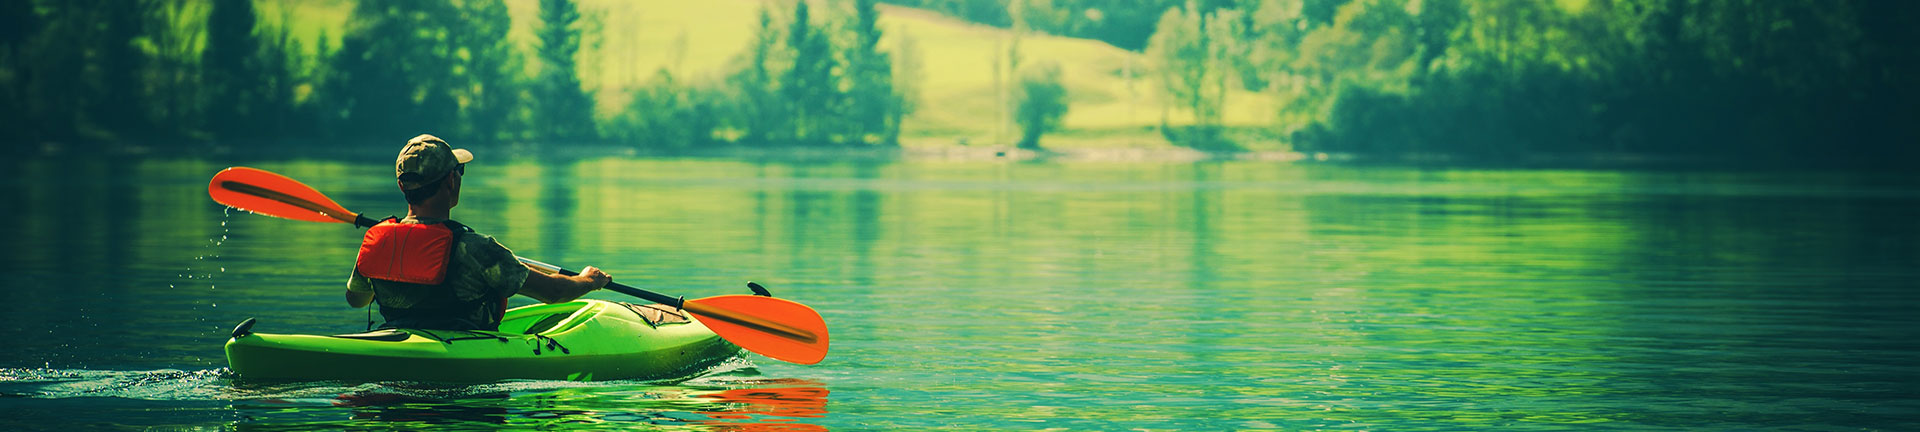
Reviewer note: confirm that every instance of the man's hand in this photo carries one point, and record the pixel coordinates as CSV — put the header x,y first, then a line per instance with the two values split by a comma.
x,y
593,278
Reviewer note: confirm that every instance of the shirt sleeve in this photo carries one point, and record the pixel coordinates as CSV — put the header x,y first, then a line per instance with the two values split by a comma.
x,y
358,283
503,272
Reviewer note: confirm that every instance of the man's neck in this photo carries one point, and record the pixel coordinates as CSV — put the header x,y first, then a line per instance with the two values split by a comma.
x,y
417,211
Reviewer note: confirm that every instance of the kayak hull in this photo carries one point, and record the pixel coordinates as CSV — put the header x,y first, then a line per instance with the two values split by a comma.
x,y
581,340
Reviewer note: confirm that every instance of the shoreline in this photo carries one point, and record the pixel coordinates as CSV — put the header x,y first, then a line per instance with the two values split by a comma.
x,y
934,149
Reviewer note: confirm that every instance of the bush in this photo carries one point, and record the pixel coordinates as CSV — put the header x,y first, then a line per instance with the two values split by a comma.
x,y
668,116
1042,103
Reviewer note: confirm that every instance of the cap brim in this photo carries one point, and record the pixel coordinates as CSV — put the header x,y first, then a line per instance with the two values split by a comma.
x,y
462,155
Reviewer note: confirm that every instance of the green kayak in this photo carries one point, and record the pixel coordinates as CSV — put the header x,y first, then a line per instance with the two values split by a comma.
x,y
580,340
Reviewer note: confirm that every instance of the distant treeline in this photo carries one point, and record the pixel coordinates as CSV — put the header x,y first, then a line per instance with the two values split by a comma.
x,y
1734,78
157,73
1770,79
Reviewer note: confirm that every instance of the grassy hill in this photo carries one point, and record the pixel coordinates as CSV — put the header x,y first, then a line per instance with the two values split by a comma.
x,y
1114,97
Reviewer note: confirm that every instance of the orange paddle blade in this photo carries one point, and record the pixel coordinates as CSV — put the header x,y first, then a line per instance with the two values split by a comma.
x,y
773,327
270,194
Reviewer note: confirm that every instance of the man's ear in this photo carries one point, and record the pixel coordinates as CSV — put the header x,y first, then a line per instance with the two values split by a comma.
x,y
452,183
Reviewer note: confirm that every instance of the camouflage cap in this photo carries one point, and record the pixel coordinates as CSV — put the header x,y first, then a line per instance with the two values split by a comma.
x,y
427,159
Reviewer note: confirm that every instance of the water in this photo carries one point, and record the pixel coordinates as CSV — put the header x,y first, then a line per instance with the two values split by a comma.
x,y
1012,295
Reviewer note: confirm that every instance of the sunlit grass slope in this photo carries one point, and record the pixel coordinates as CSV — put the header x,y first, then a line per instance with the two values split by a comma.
x,y
1112,92
1114,96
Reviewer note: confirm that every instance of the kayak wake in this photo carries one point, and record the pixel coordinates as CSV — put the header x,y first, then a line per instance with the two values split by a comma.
x,y
162,384
219,385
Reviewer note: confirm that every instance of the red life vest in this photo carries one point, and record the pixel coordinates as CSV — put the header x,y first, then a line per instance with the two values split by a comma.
x,y
403,252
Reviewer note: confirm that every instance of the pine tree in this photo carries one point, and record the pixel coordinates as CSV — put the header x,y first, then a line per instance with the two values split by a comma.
x,y
232,71
18,24
763,113
873,111
809,86
566,110
489,83
282,60
119,62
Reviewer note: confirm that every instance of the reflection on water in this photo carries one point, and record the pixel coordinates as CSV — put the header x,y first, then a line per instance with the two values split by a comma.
x,y
744,409
769,408
1006,295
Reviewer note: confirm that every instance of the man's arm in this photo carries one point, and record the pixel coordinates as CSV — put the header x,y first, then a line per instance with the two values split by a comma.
x,y
555,288
358,299
359,290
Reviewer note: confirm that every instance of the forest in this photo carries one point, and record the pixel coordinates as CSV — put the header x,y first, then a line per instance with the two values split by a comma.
x,y
1494,79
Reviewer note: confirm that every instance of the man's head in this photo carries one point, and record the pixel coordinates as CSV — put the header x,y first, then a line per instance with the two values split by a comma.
x,y
427,166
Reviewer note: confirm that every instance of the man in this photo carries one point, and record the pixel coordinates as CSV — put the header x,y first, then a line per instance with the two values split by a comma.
x,y
430,272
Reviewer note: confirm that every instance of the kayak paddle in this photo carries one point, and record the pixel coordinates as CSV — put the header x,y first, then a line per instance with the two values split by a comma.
x,y
778,328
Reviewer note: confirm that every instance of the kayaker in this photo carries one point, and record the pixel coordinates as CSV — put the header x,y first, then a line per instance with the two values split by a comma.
x,y
430,272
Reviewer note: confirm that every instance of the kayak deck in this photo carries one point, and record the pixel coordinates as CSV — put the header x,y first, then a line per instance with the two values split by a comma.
x,y
580,340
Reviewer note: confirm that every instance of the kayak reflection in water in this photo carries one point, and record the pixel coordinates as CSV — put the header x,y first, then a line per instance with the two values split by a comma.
x,y
429,272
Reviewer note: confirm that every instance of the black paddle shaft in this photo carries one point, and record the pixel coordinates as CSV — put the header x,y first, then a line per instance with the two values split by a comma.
x,y
651,296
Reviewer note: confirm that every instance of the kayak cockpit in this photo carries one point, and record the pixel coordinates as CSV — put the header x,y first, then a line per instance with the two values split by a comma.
x,y
548,318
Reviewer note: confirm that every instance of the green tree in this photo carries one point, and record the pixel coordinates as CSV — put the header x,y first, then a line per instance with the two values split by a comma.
x,y
118,62
989,12
809,86
1124,23
1275,31
408,67
89,70
760,111
1194,54
1041,103
171,79
285,69
488,86
234,71
566,110
384,75
55,85
1322,13
18,23
873,110
1436,24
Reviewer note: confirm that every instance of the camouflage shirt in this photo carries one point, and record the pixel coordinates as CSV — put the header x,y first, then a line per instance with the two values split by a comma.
x,y
479,274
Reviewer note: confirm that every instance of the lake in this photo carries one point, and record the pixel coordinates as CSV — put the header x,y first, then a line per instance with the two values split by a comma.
x,y
1018,295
